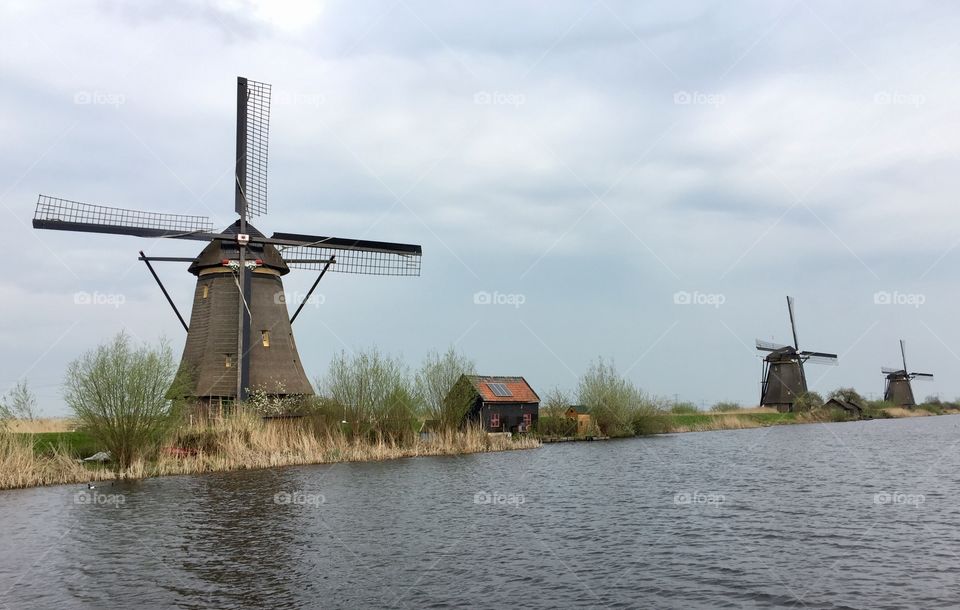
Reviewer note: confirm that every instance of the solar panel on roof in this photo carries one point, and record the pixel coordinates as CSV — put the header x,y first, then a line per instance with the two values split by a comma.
x,y
499,389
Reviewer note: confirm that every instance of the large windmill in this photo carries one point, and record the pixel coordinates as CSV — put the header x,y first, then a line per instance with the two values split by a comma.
x,y
783,375
239,337
897,388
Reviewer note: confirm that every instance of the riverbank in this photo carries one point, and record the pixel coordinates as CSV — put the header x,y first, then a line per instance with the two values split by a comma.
x,y
48,452
53,458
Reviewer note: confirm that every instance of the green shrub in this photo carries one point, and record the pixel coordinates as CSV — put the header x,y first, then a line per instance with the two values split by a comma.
x,y
684,407
118,394
847,394
548,425
725,406
807,401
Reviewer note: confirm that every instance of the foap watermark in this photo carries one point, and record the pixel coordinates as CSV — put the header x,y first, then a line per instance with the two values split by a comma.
x,y
911,299
698,498
699,298
898,98
698,98
295,298
99,98
498,298
95,498
499,98
497,498
99,298
298,98
284,498
896,497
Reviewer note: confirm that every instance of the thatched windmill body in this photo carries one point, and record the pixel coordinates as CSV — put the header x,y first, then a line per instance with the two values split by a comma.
x,y
898,388
240,336
783,378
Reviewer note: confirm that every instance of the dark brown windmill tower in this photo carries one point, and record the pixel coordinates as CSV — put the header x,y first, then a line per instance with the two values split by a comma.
x,y
783,378
897,388
240,337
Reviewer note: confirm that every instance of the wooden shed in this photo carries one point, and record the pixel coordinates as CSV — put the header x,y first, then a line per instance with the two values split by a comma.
x,y
498,403
581,414
847,406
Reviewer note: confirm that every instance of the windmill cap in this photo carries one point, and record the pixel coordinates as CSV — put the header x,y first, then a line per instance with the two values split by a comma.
x,y
219,250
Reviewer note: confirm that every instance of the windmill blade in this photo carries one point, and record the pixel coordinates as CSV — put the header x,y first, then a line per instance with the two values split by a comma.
x,y
922,376
889,370
769,346
352,255
903,353
793,324
820,358
65,215
253,136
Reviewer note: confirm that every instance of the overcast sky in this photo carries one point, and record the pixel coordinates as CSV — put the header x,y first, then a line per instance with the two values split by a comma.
x,y
588,165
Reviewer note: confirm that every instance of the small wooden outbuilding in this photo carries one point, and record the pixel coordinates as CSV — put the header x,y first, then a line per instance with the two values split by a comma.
x,y
498,403
850,407
581,414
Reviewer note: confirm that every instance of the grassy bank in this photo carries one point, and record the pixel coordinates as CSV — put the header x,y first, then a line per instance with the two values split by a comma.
x,y
49,458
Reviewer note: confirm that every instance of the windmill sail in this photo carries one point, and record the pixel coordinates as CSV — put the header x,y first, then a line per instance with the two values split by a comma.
x,y
769,346
65,215
352,255
253,138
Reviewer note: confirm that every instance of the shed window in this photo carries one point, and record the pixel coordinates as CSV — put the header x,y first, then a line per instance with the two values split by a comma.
x,y
206,291
228,362
494,420
527,419
265,338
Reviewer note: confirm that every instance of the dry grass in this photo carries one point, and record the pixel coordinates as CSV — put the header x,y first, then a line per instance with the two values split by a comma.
x,y
20,467
745,411
901,412
243,443
721,422
48,424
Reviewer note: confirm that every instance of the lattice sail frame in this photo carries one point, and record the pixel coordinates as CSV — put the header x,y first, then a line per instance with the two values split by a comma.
x,y
257,143
361,262
56,209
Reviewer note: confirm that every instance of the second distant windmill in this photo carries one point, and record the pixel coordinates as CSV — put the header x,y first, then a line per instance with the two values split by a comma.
x,y
784,379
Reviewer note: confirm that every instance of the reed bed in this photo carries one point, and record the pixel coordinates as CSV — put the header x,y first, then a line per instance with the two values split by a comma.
x,y
239,443
901,412
46,424
718,422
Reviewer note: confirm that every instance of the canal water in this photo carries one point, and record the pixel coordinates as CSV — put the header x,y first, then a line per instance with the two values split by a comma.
x,y
855,515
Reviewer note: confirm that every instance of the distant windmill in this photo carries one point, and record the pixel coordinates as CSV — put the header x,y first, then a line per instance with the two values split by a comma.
x,y
783,376
239,338
897,388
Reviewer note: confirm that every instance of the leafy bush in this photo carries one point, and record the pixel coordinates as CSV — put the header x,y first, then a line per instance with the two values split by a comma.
x,y
118,394
684,407
555,403
936,409
847,394
725,406
549,425
375,392
435,379
617,407
807,402
19,403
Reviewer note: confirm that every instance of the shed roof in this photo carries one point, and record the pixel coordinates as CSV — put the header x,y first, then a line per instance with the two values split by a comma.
x,y
580,409
518,388
846,405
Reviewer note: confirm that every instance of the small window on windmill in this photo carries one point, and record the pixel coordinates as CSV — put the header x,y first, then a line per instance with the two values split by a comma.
x,y
206,291
265,338
228,361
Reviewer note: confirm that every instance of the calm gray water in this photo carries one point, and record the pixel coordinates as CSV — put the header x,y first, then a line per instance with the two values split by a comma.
x,y
859,515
